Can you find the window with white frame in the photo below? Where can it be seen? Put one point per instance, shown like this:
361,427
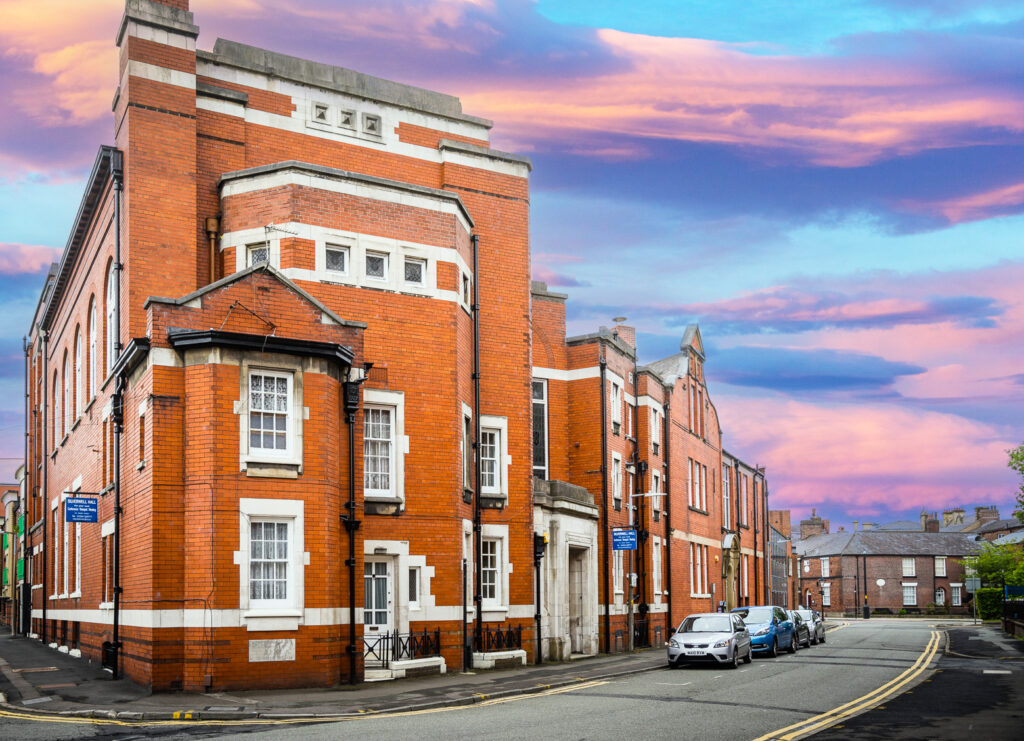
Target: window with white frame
415,271
490,570
629,484
616,407
111,310
825,572
743,500
270,414
690,484
79,388
655,430
826,595
909,567
467,452
940,566
540,428
694,570
271,560
745,566
336,259
940,596
955,594
56,550
92,347
616,481
655,487
376,266
656,568
726,522
257,253
704,488
617,571
467,299
491,456
67,395
56,411
414,587
909,595
378,450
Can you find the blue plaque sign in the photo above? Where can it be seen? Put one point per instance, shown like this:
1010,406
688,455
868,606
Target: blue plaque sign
623,539
81,509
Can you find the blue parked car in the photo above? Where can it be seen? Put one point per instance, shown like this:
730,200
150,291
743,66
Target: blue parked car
770,629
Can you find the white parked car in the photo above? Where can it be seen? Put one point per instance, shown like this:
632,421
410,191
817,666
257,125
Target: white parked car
718,637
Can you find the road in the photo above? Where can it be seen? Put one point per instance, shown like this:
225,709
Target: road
862,665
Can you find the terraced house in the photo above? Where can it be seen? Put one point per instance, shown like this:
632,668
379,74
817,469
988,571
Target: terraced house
298,417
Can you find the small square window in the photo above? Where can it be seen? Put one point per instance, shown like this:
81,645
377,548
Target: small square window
371,124
347,119
376,265
337,259
257,253
320,112
415,271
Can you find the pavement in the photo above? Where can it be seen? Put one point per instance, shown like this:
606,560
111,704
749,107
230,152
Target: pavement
41,680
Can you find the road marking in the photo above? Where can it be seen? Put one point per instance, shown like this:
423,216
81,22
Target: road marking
674,684
873,698
996,671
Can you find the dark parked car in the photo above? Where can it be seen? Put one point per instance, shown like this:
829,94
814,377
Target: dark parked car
803,630
770,628
715,637
816,623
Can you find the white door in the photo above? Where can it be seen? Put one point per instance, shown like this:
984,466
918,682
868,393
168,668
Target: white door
378,610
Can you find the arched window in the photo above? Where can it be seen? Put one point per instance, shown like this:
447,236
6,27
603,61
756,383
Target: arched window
79,390
92,347
67,394
111,303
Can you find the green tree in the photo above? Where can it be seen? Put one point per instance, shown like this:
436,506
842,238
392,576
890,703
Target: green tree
1016,462
998,565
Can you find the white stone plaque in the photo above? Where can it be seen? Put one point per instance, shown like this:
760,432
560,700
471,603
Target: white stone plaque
274,649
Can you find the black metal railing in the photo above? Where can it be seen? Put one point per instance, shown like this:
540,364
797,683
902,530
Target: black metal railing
641,634
501,638
381,649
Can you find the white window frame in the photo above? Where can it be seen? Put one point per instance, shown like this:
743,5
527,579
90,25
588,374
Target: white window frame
616,403
288,453
656,568
655,486
344,249
940,566
386,257
617,574
655,430
55,509
912,594
743,500
745,565
490,570
690,484
92,347
940,596
956,595
726,510
252,247
909,566
703,487
617,479
414,578
826,595
395,401
272,614
111,309
68,419
282,365
825,568
79,389
498,426
423,274
499,604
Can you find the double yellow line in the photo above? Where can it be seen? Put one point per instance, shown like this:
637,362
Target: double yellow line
875,697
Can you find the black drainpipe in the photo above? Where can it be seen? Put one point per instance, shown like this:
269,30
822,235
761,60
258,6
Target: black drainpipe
351,403
46,457
117,173
603,364
478,600
665,482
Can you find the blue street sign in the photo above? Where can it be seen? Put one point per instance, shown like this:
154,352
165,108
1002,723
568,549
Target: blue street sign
81,509
623,539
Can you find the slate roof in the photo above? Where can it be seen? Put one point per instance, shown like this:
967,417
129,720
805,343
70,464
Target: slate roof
1010,523
883,543
901,525
1016,537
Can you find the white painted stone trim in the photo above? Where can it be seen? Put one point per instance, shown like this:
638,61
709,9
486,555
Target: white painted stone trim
165,75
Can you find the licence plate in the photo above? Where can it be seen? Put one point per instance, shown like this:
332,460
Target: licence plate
695,652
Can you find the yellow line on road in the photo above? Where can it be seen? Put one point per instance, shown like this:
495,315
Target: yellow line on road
875,697
77,720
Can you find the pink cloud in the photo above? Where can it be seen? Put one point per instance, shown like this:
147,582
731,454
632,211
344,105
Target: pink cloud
26,258
867,457
974,207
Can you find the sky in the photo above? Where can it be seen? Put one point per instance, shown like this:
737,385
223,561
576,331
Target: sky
833,190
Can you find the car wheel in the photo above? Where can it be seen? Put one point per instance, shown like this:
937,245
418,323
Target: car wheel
750,655
735,663
814,641
822,637
794,644
774,650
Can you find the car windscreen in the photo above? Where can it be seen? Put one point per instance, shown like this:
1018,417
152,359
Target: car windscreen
758,615
806,614
706,624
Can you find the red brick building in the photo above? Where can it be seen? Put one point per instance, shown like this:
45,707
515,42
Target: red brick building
617,444
292,298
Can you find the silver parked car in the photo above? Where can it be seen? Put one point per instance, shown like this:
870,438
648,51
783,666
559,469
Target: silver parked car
816,623
718,637
801,628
